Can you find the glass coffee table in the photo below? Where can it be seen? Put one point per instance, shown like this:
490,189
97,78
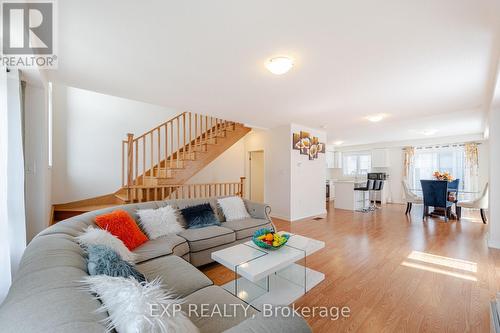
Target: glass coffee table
276,277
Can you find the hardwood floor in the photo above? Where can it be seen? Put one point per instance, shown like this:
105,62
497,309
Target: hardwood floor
371,267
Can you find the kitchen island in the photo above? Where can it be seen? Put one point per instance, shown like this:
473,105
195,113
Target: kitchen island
347,198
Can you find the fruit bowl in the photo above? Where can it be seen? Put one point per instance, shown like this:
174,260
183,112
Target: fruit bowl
267,239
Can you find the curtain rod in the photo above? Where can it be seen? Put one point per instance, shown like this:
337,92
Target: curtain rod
444,145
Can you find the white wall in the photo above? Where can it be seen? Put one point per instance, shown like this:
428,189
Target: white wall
294,185
228,167
276,145
494,200
88,130
307,190
37,171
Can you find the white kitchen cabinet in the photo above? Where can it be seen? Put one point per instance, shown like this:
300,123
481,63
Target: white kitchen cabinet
380,158
329,156
333,159
337,160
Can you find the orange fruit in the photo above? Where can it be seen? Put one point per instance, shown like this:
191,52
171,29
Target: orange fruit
269,237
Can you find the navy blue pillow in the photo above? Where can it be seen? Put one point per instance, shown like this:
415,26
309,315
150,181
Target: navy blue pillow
199,216
102,260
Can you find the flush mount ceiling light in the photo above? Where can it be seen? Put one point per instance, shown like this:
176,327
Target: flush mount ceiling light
428,132
279,65
375,118
338,143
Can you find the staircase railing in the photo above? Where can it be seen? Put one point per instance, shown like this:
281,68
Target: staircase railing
166,146
140,193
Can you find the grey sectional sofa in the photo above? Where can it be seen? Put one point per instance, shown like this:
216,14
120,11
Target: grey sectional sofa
46,294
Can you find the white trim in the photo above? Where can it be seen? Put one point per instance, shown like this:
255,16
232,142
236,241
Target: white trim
281,217
495,244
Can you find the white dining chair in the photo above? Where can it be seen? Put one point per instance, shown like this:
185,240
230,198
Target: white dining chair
480,203
410,197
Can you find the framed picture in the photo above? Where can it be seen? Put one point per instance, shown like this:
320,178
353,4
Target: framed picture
295,141
307,145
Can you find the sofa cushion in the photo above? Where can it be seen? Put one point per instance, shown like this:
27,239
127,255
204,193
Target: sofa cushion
204,257
45,295
160,221
183,203
123,226
102,260
129,304
177,275
233,208
216,296
162,246
208,237
199,216
97,236
246,228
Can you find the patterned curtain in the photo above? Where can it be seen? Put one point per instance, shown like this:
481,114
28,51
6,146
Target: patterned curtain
471,173
408,161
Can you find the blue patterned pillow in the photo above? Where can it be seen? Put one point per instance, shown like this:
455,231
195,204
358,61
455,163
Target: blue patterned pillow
102,260
199,216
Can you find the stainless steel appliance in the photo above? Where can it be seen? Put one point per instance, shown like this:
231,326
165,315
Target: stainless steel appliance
378,175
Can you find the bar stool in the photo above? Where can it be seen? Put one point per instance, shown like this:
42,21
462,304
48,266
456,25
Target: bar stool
365,189
377,187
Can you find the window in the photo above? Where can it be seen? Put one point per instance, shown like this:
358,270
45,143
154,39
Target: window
356,164
445,159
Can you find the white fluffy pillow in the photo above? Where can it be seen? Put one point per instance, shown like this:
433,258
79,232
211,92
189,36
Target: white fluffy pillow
159,222
135,307
94,236
233,208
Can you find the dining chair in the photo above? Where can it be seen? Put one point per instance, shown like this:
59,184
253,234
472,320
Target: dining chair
480,203
436,195
410,197
453,185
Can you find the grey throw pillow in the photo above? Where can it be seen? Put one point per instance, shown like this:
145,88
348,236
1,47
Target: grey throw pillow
102,260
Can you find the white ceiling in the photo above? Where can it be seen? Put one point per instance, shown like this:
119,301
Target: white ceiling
425,63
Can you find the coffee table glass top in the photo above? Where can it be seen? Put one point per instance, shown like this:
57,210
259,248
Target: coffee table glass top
255,263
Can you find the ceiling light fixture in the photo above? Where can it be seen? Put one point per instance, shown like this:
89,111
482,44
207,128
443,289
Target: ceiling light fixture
375,118
338,143
429,132
279,65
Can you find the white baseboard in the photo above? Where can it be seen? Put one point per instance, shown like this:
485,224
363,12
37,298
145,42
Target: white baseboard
322,214
281,217
493,243
288,219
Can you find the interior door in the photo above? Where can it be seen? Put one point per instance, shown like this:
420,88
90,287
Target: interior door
257,176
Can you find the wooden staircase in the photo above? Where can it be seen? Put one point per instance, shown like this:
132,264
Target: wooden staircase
157,164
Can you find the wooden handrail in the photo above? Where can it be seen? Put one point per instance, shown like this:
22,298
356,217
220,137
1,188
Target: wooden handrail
155,153
159,126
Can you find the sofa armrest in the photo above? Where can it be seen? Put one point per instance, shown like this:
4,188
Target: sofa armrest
258,210
271,324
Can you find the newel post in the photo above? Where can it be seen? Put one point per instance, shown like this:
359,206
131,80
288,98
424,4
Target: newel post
242,186
130,159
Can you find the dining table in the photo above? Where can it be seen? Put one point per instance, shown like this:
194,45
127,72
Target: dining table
455,199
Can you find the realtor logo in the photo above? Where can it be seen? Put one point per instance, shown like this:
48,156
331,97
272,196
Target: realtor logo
28,34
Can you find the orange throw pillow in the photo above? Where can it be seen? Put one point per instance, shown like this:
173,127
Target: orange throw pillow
123,226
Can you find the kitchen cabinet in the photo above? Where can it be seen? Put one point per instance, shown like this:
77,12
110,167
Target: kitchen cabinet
380,158
329,157
333,159
337,160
